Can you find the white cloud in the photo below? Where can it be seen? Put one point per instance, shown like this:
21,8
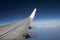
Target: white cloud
49,23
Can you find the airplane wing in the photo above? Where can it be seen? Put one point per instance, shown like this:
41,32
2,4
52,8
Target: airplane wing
16,30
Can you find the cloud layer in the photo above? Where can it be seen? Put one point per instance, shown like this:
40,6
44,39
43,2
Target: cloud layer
49,23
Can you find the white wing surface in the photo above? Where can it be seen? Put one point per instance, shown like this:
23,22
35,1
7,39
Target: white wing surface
16,30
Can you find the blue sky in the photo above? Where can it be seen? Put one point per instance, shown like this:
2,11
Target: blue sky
16,10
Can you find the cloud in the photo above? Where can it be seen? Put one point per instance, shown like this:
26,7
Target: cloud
47,23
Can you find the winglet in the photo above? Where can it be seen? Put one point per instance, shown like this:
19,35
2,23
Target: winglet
33,14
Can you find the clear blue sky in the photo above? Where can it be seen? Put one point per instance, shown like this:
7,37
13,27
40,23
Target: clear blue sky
14,10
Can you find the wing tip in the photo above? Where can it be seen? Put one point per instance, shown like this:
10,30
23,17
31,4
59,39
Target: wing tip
33,13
